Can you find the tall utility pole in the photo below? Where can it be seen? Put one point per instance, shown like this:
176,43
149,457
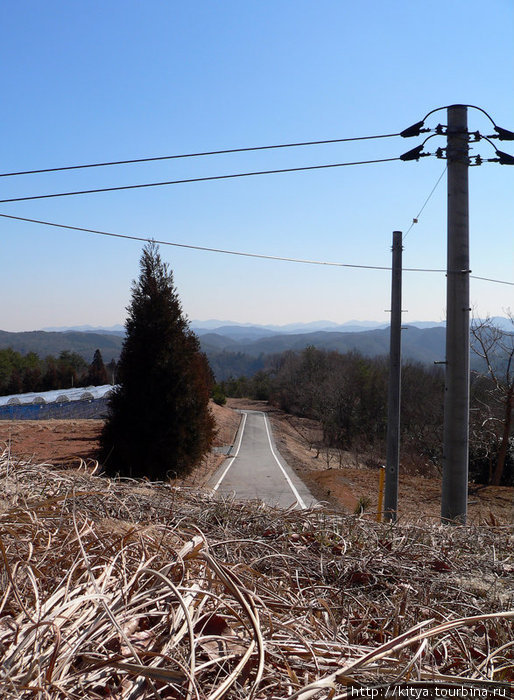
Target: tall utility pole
395,369
456,399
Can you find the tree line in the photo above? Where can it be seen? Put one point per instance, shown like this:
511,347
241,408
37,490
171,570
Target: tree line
347,395
21,374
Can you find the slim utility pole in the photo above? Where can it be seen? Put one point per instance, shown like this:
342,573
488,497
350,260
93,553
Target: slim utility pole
395,369
456,400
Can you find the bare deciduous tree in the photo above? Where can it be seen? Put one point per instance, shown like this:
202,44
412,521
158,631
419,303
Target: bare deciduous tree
496,347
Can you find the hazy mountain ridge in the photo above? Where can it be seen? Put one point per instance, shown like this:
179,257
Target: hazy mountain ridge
424,345
253,331
237,330
236,349
116,329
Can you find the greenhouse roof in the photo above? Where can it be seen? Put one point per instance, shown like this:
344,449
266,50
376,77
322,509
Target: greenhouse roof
58,395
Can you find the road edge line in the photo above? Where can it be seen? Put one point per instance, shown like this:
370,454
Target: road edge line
299,499
241,431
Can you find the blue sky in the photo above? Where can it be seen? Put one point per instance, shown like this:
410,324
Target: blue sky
93,81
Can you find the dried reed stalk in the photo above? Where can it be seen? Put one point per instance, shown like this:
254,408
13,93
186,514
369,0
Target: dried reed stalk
131,590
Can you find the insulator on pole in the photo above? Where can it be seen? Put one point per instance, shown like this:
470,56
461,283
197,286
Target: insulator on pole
414,154
504,158
504,134
414,130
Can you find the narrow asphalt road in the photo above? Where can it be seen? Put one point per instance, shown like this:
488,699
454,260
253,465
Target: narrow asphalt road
255,469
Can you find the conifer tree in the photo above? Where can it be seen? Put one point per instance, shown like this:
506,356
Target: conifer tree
159,423
97,373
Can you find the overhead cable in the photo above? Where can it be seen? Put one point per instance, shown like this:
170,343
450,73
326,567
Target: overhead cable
194,179
195,155
417,128
416,218
439,109
488,279
145,239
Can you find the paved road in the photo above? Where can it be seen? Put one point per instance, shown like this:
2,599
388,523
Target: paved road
255,468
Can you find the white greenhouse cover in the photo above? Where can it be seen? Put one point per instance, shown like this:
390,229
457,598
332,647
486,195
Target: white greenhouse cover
73,394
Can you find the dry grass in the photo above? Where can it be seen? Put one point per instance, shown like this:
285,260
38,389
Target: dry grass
124,589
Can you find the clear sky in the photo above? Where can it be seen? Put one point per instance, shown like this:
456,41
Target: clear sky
96,81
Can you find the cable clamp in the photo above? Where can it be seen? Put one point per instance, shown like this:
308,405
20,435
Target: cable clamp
414,154
504,134
505,158
414,130
439,154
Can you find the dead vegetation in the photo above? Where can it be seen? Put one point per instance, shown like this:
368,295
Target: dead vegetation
125,589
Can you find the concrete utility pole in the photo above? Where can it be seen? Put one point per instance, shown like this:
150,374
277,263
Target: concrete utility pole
456,401
395,369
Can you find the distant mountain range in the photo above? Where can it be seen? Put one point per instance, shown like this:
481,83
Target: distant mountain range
249,330
235,349
238,330
252,330
118,329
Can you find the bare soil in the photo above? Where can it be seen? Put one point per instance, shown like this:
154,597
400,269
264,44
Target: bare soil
343,481
58,442
65,443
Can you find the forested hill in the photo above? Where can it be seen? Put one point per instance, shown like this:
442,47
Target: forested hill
45,343
424,345
231,357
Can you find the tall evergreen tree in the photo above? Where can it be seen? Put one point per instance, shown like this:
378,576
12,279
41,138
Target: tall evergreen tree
159,422
97,372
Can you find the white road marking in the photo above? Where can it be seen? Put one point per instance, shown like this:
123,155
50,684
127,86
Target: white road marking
235,455
293,488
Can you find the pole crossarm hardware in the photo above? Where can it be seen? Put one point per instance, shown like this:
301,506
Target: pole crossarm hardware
473,137
457,376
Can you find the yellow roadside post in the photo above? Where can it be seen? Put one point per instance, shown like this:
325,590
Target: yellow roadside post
381,479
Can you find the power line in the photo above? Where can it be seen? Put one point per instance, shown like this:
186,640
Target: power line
487,279
193,179
415,220
227,252
196,247
195,155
